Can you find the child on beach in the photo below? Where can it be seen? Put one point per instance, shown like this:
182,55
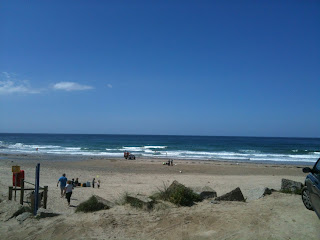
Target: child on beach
98,184
68,191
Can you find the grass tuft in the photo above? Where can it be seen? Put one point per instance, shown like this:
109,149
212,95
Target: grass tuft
289,191
91,205
179,195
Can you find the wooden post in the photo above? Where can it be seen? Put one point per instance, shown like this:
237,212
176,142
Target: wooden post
22,191
10,193
36,190
15,187
45,197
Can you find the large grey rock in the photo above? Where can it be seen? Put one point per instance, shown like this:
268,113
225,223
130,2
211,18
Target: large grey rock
140,201
291,186
234,195
44,213
23,216
257,193
105,202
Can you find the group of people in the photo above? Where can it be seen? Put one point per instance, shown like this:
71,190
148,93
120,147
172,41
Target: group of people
94,181
169,163
66,186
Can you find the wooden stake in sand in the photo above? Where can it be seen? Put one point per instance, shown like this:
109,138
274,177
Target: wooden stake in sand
36,191
15,171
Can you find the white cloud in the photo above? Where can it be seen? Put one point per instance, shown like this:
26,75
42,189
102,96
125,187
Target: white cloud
109,85
10,86
7,75
71,86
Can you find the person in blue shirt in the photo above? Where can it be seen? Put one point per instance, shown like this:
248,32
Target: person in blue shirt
63,182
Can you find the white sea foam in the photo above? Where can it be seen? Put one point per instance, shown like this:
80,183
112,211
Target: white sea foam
33,147
132,149
159,147
17,145
72,148
239,156
148,151
249,151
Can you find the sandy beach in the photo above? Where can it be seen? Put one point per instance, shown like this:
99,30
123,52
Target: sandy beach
276,216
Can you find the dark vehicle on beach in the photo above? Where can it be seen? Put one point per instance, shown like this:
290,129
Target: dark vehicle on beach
131,157
311,190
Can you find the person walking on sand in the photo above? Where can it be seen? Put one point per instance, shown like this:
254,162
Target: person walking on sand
68,191
98,183
63,181
93,181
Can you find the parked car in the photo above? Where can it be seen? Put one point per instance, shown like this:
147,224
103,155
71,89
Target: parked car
311,190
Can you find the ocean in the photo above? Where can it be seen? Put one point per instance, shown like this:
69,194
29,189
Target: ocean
240,149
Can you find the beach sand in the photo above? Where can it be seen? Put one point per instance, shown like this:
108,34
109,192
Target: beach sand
276,216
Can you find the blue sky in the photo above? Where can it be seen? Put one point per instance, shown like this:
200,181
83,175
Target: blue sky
224,68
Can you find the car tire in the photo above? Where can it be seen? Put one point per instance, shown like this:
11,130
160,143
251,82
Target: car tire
306,198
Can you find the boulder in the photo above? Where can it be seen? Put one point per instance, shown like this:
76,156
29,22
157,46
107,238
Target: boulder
205,192
257,193
105,202
44,213
234,195
290,186
23,216
140,201
174,185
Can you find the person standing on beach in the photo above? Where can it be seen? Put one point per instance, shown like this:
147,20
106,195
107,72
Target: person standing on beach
68,191
63,181
98,183
93,181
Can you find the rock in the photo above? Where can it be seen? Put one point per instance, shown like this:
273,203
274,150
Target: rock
23,216
234,195
257,193
208,192
205,192
174,185
291,186
105,202
44,213
254,193
140,201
